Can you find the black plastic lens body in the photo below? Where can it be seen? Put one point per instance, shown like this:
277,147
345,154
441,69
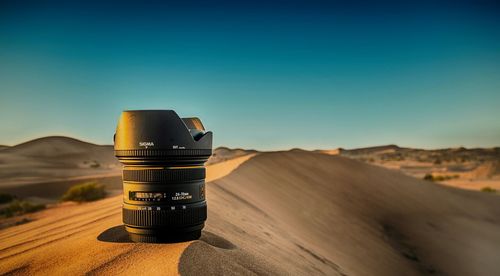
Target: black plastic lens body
163,174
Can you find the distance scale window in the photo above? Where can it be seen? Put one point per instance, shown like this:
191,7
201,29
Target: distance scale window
148,196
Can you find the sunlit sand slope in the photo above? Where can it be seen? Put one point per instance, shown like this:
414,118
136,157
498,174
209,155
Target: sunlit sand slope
64,240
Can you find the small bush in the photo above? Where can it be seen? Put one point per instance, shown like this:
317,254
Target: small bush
19,207
4,198
488,190
429,177
85,192
440,178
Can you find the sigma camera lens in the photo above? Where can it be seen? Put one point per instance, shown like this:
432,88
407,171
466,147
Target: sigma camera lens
163,159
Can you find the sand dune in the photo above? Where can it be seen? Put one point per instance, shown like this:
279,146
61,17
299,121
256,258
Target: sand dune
55,146
472,169
54,158
298,213
41,170
221,154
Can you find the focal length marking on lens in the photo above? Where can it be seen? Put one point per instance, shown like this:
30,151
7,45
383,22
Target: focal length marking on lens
148,196
159,208
182,196
165,217
159,196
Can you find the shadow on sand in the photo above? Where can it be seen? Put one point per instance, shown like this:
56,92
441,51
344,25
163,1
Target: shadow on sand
116,234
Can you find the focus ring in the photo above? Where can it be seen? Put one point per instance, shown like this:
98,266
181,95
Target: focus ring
163,153
164,175
165,218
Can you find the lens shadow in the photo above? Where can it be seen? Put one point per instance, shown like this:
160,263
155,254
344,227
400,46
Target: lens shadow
116,234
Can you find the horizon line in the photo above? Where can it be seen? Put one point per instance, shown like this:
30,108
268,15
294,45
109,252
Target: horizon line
249,149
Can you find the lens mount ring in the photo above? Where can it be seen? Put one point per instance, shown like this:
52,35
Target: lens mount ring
161,235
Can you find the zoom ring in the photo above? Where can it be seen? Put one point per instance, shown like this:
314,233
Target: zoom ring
154,218
163,153
164,175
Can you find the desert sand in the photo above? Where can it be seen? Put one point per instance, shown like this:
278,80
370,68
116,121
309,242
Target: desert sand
283,213
471,169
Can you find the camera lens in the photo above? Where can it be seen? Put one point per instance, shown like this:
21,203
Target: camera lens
163,159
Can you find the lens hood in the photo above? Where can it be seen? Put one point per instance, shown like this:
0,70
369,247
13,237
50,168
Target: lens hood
152,134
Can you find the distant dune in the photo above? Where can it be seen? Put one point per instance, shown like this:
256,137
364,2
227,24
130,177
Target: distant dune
285,213
222,154
55,146
473,169
372,150
55,158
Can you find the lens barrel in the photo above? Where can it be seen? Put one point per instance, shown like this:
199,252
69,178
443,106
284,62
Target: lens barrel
163,159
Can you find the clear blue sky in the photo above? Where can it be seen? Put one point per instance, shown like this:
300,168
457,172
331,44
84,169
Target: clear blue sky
275,75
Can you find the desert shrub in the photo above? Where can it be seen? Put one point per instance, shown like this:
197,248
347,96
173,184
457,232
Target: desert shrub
4,198
85,192
429,177
19,207
439,178
23,221
488,190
